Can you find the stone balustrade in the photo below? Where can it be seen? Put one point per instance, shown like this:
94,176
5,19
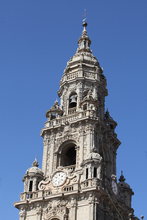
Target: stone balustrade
90,183
47,193
31,195
62,120
65,189
78,74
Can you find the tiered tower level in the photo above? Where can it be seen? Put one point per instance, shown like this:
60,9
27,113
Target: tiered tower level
78,177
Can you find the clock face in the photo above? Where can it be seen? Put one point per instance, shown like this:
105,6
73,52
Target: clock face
59,178
114,187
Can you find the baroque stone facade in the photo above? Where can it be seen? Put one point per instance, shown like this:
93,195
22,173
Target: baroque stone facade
78,177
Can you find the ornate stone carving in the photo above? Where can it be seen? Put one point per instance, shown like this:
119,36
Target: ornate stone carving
56,209
48,186
43,185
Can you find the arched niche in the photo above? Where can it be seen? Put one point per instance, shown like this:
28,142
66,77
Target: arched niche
68,154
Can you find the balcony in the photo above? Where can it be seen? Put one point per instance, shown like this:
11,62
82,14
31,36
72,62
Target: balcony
31,195
79,74
91,183
73,117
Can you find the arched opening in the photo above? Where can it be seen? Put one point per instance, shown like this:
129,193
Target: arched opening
68,155
73,100
30,186
86,173
95,172
55,219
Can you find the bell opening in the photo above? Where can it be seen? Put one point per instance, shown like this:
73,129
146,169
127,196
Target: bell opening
73,100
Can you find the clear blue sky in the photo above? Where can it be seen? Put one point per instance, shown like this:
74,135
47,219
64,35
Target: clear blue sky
37,38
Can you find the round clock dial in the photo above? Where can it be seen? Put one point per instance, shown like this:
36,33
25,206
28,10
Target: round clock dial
114,187
59,178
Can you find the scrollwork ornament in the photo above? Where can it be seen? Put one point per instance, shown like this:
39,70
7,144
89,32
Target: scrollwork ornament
43,185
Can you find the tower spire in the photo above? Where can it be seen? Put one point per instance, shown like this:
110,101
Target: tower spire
84,41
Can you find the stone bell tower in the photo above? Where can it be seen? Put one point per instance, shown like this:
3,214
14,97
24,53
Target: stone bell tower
78,177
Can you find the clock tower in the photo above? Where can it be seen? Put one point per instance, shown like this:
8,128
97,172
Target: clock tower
78,176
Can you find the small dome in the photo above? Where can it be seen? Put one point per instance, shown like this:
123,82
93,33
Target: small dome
34,170
83,57
122,182
124,185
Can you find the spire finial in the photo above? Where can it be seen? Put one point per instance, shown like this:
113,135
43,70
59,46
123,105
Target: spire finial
122,178
35,163
84,22
84,41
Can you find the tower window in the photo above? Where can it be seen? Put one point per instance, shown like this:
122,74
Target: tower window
68,155
86,173
73,100
95,172
30,186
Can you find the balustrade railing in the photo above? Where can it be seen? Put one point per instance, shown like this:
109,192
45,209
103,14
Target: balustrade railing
31,195
90,183
76,74
66,189
61,120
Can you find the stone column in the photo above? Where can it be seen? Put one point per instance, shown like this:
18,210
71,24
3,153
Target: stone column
26,185
88,140
58,159
81,150
55,161
73,210
78,98
45,151
51,157
34,184
77,156
91,207
91,139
